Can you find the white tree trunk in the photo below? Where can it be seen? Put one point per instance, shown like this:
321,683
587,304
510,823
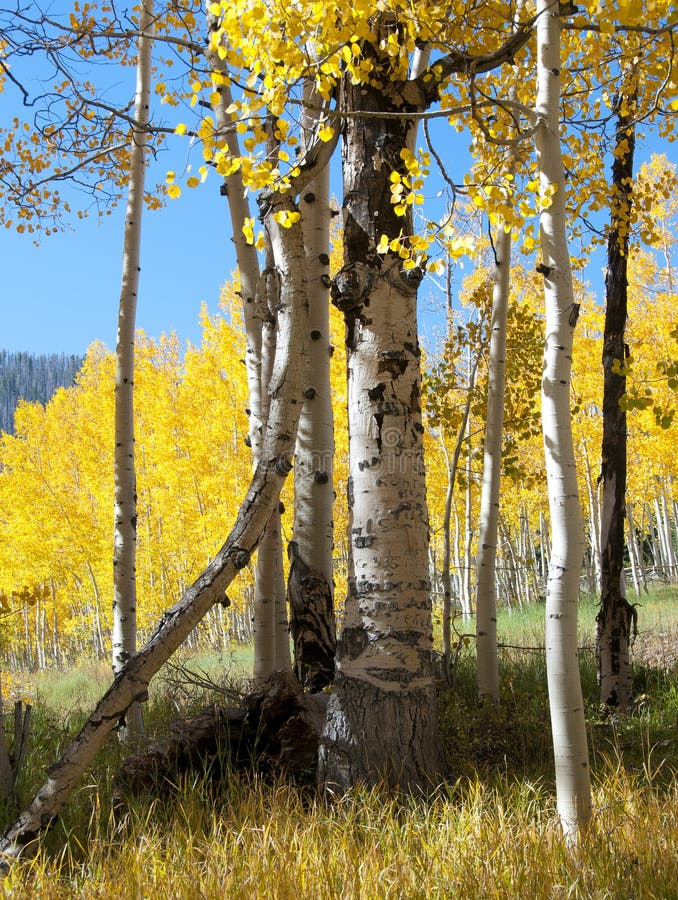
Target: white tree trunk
125,527
467,579
268,569
486,577
463,434
447,563
381,720
311,582
271,641
664,521
634,554
565,695
486,597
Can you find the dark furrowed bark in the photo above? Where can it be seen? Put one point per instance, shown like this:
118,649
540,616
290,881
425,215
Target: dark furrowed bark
615,621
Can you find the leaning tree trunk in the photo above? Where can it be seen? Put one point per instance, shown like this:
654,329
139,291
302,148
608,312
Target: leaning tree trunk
125,527
381,720
132,681
310,588
573,785
614,622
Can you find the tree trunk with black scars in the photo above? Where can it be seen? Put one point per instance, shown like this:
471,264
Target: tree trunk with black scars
615,621
310,589
381,721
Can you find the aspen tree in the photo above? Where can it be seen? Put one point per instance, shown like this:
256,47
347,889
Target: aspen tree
125,530
615,620
260,325
310,587
573,787
488,525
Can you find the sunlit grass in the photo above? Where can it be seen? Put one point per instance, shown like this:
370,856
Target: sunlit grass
492,832
273,841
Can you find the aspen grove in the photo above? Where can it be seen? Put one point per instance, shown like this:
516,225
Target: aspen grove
434,479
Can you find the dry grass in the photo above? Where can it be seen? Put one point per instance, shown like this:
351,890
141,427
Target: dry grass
272,841
491,834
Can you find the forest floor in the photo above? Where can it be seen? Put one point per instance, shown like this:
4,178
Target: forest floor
492,832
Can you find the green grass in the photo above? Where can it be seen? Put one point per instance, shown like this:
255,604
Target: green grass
492,833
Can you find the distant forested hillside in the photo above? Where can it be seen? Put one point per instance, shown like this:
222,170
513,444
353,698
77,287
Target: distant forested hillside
31,377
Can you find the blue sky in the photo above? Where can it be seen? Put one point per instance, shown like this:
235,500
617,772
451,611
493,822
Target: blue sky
64,294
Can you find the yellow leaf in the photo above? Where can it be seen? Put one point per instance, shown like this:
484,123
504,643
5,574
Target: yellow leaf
174,191
382,246
248,230
180,129
326,133
286,218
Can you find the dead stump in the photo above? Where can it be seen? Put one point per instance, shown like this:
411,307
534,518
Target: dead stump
276,730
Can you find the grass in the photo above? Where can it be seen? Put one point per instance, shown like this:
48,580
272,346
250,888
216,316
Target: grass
492,833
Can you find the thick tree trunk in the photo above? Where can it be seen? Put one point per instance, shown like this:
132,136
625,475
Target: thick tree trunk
573,785
381,722
125,529
614,622
131,683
